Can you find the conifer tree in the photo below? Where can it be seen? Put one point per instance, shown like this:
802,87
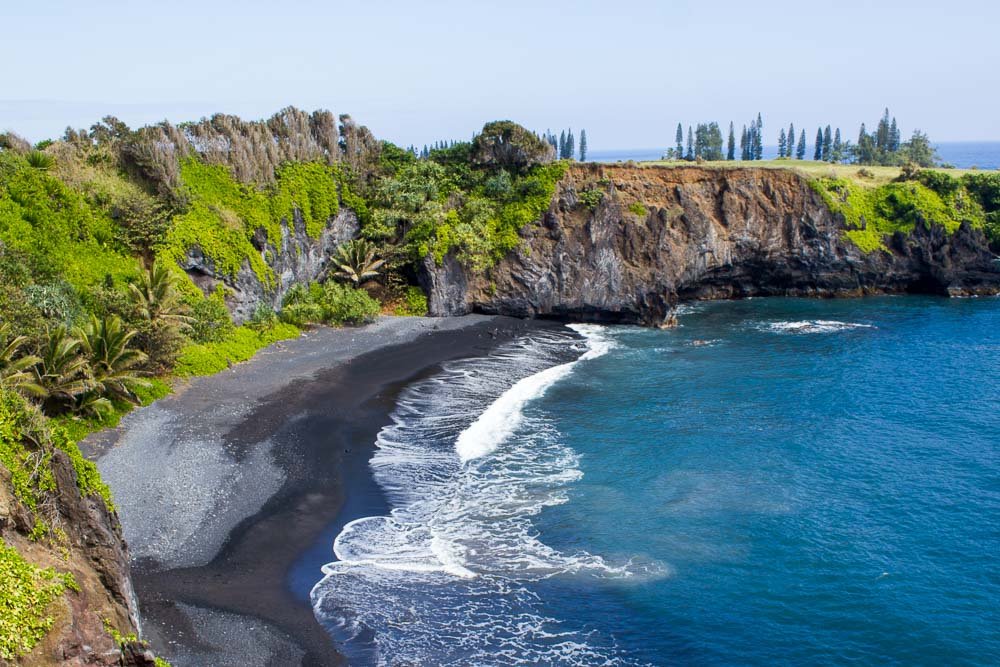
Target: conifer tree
800,152
758,137
679,138
818,153
583,145
827,143
894,138
782,143
731,144
570,144
791,141
690,151
744,145
562,144
838,148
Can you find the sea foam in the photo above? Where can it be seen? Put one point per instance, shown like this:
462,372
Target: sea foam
466,464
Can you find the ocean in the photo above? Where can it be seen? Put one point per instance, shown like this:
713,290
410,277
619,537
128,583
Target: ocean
775,481
960,154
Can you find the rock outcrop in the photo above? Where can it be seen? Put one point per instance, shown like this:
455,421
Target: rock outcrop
297,258
662,235
86,543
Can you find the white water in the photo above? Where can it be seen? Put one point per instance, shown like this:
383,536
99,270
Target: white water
465,466
813,326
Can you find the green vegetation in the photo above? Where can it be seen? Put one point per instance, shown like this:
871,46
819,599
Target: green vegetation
355,261
329,303
224,215
26,592
873,213
414,303
239,344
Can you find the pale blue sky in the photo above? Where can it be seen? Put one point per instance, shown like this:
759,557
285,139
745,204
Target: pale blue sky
626,70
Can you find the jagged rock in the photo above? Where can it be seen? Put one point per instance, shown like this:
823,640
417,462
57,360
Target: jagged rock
296,259
707,234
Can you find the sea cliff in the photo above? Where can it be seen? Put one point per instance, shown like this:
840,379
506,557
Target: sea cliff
627,243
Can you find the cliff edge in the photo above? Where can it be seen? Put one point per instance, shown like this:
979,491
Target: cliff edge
626,243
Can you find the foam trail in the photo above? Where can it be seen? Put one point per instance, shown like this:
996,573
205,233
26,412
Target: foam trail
505,415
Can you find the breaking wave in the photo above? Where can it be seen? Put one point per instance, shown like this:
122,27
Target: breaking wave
812,326
446,577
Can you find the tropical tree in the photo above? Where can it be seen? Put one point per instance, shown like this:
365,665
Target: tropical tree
62,372
39,160
16,368
113,363
355,261
157,298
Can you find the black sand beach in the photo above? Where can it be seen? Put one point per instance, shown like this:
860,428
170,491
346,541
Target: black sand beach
231,490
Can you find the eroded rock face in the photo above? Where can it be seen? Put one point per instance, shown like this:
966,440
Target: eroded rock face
661,235
297,258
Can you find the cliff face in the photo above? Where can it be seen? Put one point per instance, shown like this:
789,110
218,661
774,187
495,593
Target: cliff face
661,235
88,545
297,258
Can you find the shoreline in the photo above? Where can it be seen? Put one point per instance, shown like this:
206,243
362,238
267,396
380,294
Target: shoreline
232,489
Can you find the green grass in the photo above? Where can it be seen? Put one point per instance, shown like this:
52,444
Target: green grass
238,345
811,169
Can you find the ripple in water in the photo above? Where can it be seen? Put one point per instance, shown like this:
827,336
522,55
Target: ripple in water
446,577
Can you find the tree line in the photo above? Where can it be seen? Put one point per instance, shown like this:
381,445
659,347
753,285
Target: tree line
884,146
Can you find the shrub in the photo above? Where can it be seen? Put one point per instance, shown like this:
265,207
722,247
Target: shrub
414,303
638,209
507,145
591,198
210,320
347,305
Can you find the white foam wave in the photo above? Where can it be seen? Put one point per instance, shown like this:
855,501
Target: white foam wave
446,576
504,415
812,326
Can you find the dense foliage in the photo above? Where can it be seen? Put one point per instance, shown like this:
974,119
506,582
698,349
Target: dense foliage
928,199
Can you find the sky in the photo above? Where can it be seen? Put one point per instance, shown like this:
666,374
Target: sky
414,72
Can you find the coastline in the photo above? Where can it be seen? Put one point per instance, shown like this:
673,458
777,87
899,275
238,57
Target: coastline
231,490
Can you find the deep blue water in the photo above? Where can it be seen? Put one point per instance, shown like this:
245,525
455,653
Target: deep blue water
960,154
776,481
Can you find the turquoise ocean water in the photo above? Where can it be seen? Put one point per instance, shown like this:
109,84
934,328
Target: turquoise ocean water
777,481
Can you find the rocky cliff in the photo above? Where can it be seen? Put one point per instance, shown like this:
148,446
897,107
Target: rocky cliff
86,544
625,243
295,259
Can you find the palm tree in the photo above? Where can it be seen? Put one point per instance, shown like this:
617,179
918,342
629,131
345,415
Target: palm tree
15,371
355,261
157,297
39,160
105,343
62,372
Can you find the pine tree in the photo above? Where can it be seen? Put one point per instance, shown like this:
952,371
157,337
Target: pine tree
818,154
827,143
744,145
882,133
570,144
800,152
731,145
758,137
562,145
782,143
791,141
679,138
838,147
690,151
583,145
894,138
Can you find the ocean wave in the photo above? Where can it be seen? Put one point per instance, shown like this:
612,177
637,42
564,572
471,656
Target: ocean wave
811,326
446,576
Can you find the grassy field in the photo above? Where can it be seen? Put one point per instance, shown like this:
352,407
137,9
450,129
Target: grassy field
879,175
